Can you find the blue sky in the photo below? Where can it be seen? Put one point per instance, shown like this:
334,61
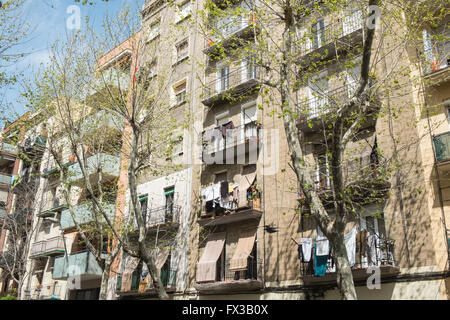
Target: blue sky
47,19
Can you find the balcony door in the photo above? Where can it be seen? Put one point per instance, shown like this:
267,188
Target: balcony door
353,75
317,94
248,69
249,121
222,77
322,178
318,34
169,205
219,142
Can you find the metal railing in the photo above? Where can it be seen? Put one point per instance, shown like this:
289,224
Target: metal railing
44,292
437,56
6,147
324,102
380,254
231,80
253,271
162,215
168,279
233,137
318,36
442,146
47,246
5,179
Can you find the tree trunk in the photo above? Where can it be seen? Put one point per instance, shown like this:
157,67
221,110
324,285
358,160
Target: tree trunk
343,271
104,282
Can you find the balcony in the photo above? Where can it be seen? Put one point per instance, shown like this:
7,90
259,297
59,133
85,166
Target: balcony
222,145
227,29
45,292
108,164
243,80
436,59
54,171
324,40
102,120
230,211
8,148
141,288
236,281
84,214
34,146
382,257
55,208
83,265
320,107
163,218
5,180
49,247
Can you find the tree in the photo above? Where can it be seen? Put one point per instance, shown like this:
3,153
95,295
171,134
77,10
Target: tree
281,42
13,29
18,223
75,84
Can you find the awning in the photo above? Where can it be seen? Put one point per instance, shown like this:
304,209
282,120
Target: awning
161,257
169,191
160,260
144,197
243,250
245,183
206,267
127,276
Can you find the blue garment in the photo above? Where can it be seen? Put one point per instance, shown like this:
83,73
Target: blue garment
320,263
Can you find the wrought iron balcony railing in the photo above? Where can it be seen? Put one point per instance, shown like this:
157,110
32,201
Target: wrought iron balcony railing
320,34
237,81
9,148
169,214
381,253
324,102
219,139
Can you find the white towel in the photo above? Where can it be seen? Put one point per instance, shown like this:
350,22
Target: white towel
350,246
306,249
208,193
216,190
323,246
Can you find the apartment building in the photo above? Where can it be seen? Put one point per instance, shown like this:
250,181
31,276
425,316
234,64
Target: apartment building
165,193
225,223
244,242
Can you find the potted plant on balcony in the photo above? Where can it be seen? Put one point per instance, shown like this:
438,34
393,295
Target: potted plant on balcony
253,197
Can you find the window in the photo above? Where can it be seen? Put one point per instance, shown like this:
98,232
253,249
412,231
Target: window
143,200
220,177
152,68
223,75
322,179
248,69
154,31
318,34
180,93
183,11
249,121
182,50
317,94
178,145
169,196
